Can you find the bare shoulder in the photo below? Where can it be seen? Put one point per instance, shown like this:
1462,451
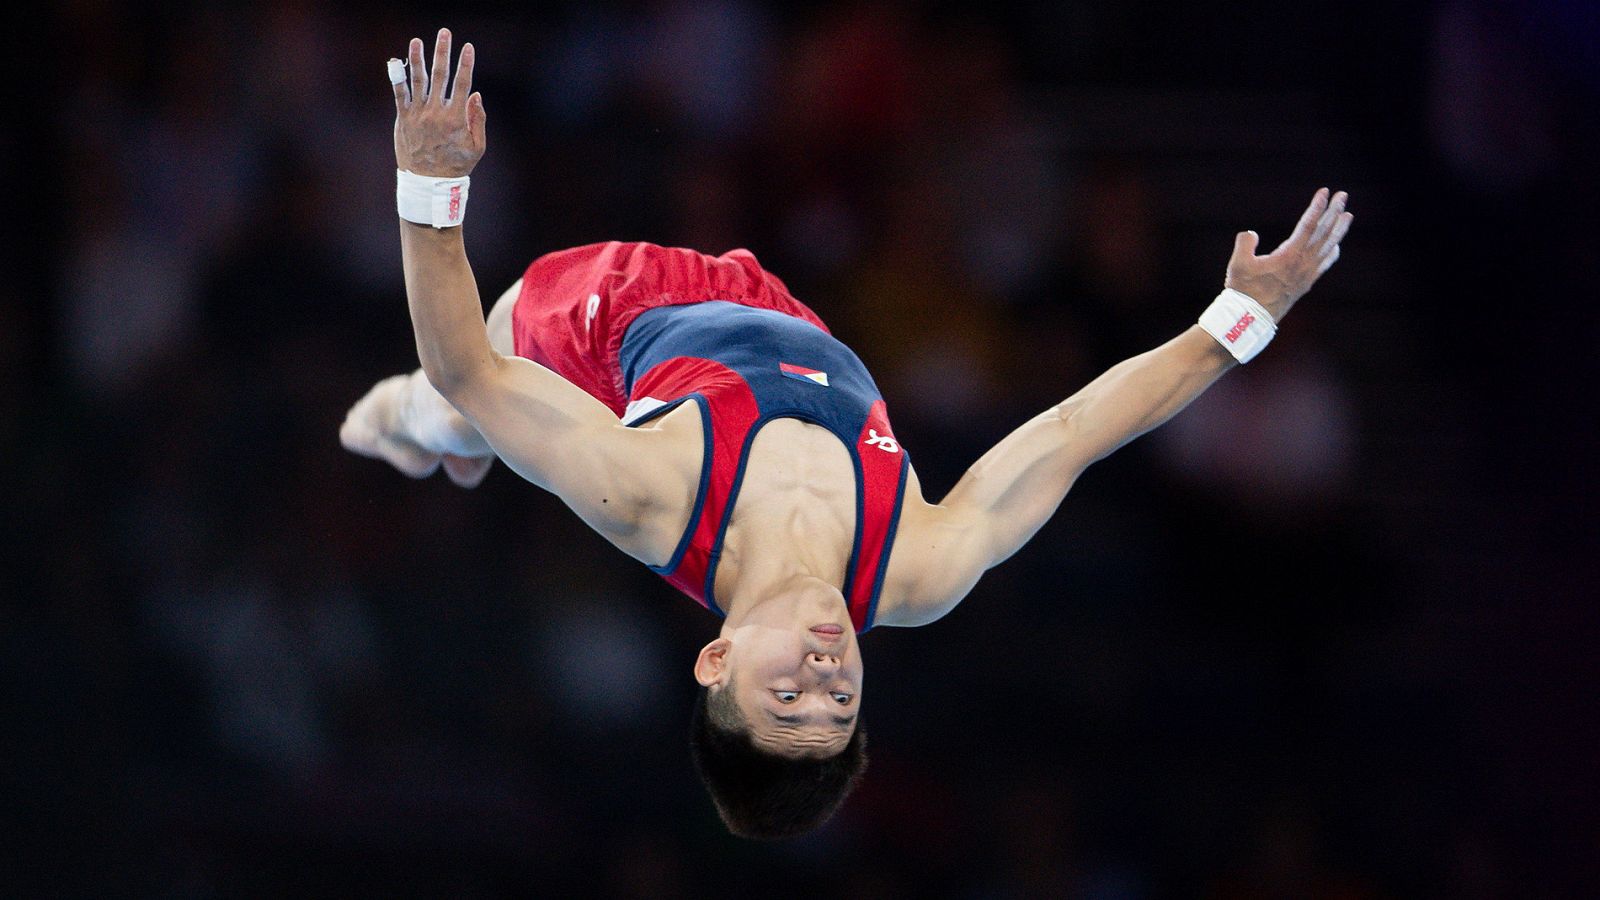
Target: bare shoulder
938,556
652,475
632,485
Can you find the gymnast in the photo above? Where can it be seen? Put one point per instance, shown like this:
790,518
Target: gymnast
706,423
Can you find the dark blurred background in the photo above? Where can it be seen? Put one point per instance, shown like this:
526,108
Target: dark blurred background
236,661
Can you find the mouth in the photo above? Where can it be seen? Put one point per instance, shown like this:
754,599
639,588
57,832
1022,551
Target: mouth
828,632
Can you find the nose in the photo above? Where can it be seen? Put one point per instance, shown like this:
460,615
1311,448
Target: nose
823,661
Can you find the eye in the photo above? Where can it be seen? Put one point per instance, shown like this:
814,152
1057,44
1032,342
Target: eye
841,697
786,696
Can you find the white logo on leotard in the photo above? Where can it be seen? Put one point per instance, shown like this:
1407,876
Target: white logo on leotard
594,310
882,441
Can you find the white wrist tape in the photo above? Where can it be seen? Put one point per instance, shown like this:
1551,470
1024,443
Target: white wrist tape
1239,323
440,202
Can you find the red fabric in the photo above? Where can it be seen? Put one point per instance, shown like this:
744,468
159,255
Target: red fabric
733,410
880,479
552,324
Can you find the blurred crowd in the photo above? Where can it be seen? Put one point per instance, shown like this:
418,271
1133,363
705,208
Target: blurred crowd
1325,635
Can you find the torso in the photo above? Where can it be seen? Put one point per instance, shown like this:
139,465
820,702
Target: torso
799,491
795,445
799,495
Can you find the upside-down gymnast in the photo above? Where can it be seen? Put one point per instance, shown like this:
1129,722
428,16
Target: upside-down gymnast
705,422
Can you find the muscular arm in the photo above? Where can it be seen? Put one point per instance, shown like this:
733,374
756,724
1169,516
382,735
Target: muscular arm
1014,488
446,312
1009,493
441,136
545,428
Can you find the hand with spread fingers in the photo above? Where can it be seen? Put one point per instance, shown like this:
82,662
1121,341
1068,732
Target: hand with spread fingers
435,134
1283,276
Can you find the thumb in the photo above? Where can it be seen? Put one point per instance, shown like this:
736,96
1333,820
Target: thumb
1244,244
475,114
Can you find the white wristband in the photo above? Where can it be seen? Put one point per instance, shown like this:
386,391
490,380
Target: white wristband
425,200
1240,324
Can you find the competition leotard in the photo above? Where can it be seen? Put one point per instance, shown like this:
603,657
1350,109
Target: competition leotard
646,328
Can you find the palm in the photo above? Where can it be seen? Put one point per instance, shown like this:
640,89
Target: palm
435,134
1283,276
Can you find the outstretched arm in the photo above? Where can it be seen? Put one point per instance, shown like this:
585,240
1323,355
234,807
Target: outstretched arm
545,428
442,137
1008,494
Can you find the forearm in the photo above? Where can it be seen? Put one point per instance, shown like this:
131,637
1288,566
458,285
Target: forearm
446,312
1140,393
1010,492
1006,496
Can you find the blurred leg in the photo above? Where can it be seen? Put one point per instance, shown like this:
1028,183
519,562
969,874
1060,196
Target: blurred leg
408,424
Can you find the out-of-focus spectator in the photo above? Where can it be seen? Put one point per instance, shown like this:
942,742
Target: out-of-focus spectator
234,660
1281,444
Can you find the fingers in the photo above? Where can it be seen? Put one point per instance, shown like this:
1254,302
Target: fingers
1328,261
1244,244
1340,227
425,85
419,75
1308,219
397,80
476,119
1328,217
463,85
441,66
1331,228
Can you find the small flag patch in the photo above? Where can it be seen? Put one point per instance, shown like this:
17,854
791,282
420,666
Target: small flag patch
804,374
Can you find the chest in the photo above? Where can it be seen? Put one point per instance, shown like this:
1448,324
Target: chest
797,500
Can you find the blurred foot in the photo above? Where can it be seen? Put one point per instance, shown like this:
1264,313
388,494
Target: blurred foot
369,430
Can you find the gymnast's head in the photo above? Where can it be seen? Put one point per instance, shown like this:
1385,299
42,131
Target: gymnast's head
776,735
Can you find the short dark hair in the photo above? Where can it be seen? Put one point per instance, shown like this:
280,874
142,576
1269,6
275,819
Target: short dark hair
764,795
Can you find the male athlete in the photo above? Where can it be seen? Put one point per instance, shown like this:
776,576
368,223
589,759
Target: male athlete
707,424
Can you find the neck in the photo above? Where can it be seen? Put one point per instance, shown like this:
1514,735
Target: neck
751,585
751,572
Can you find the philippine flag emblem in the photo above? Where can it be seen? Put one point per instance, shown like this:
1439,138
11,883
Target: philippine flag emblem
804,374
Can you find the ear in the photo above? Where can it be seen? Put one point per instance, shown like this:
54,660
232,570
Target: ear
711,666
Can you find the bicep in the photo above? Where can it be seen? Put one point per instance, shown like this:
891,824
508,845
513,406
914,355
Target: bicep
944,549
1012,490
939,554
554,434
